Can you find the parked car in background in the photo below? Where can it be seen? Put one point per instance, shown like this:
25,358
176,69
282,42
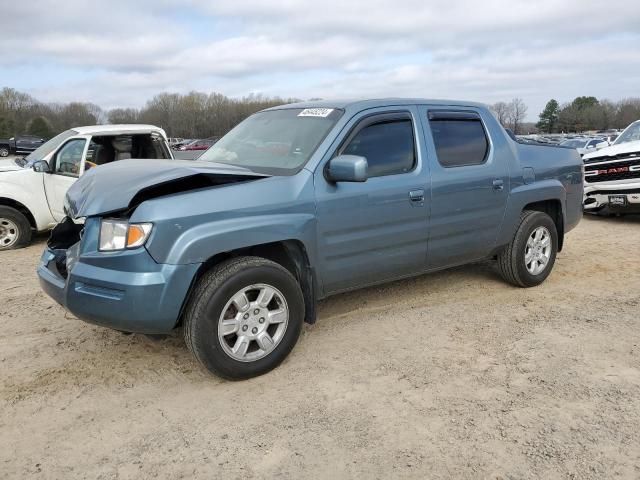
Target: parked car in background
176,146
612,175
585,145
32,189
172,141
197,145
18,145
299,202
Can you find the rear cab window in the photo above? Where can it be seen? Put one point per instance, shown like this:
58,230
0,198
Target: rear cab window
460,138
109,148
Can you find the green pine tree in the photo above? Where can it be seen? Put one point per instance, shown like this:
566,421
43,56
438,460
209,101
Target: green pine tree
549,117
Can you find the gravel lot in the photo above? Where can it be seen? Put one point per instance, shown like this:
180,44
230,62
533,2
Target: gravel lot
452,375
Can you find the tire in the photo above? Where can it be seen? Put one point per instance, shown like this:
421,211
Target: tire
15,229
211,307
512,261
4,152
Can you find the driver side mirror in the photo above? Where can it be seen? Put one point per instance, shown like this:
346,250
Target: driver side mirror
41,166
348,168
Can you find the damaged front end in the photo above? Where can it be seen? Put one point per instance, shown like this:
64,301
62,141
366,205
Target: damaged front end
115,282
64,245
125,290
122,186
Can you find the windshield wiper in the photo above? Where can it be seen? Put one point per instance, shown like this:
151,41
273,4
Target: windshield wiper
20,161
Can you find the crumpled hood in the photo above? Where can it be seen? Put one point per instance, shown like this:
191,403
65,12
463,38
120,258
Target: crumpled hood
115,186
8,165
613,150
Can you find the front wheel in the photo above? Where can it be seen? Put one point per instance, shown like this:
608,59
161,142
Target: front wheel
244,317
528,260
15,229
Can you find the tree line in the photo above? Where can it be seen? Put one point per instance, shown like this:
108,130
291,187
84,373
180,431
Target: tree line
202,115
192,115
582,114
196,114
588,113
21,113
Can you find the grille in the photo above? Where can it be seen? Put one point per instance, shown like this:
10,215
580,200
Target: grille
622,156
614,192
613,171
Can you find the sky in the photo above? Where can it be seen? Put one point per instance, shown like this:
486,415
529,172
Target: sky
119,53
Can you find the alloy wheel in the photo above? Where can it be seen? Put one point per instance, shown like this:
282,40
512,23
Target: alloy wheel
538,251
253,322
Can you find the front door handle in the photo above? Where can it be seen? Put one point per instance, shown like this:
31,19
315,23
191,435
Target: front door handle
416,196
498,184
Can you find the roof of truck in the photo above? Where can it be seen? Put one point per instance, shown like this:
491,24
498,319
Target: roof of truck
117,128
362,104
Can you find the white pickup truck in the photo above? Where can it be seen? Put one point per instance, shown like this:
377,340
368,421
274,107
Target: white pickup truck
32,189
612,176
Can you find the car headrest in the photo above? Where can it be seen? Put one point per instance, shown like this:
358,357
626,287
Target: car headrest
122,144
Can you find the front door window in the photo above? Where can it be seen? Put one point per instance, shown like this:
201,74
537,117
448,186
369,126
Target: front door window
69,158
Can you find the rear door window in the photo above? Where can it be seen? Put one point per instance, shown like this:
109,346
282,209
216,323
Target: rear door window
459,137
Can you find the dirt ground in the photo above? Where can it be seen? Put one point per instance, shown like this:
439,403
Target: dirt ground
452,375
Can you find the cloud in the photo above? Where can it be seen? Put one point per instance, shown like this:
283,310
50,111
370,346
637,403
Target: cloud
123,52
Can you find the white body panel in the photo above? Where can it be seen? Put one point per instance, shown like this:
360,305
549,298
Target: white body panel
43,193
597,193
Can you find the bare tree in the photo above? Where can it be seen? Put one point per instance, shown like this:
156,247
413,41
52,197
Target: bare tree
123,115
502,111
628,110
200,115
517,114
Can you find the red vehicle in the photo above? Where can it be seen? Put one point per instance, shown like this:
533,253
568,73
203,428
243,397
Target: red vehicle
198,145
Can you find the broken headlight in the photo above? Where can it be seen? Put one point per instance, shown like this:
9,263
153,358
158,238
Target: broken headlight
120,234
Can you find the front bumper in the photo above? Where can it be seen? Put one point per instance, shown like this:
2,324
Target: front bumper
126,291
598,196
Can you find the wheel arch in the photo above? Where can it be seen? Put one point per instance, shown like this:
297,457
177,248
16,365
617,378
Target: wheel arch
9,202
547,196
553,208
291,254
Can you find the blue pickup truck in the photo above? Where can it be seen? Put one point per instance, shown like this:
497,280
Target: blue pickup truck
300,202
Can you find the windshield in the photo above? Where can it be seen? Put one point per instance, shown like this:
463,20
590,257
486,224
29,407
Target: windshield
276,142
574,143
631,134
48,147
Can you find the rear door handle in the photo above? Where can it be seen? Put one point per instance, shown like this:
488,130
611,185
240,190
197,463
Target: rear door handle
498,184
416,196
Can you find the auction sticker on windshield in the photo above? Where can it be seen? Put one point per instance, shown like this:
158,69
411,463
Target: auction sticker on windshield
315,112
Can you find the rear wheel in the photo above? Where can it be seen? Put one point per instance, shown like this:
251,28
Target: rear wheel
15,230
528,260
244,317
4,152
